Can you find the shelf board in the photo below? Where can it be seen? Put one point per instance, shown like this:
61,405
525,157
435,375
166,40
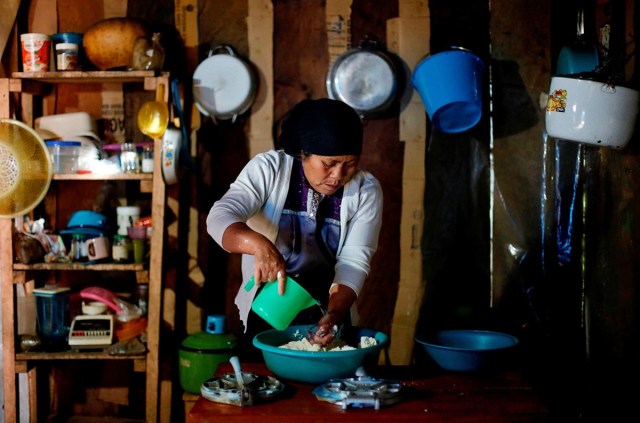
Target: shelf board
83,77
77,355
112,177
101,267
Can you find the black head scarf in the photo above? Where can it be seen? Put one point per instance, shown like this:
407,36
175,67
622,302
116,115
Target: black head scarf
325,127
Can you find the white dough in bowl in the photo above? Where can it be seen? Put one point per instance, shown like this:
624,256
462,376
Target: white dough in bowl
337,345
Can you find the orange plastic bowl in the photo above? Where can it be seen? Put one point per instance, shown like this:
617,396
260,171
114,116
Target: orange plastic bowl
130,330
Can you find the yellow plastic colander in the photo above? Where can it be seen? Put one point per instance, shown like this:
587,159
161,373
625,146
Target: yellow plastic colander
25,168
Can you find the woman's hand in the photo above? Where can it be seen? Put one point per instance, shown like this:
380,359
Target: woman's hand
268,262
341,298
324,332
269,266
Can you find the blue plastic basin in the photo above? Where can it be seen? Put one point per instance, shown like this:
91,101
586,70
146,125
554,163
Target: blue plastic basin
468,350
317,366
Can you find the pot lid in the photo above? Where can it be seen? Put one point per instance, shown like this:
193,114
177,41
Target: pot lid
209,341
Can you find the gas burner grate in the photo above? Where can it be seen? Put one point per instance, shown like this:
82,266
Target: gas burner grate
361,391
225,389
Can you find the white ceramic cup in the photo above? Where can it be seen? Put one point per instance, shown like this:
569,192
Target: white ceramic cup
98,248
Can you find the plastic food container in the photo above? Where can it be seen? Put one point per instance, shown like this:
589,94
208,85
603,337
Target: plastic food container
52,316
69,38
66,56
64,155
35,52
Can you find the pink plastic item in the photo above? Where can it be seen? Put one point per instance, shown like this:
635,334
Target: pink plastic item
103,295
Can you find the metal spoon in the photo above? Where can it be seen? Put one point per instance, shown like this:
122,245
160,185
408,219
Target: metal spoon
235,362
246,397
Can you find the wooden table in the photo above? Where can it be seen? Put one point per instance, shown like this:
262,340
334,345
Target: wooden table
447,397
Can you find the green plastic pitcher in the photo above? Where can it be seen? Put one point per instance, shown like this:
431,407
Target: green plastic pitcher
280,310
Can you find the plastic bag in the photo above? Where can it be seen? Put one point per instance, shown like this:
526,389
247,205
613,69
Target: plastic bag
125,311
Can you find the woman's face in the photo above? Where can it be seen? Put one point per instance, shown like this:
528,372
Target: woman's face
327,174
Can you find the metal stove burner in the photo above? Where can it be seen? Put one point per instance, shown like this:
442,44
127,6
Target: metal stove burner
361,391
225,389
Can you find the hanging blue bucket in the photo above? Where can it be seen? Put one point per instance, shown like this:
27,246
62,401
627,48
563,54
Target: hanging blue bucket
450,85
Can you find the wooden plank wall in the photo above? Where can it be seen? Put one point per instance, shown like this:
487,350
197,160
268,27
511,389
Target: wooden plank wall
525,37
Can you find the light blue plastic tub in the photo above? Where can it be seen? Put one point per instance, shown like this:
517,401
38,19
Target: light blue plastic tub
317,366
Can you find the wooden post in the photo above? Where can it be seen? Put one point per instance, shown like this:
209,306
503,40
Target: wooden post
408,36
260,34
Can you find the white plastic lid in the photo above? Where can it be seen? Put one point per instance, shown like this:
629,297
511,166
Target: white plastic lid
127,210
66,46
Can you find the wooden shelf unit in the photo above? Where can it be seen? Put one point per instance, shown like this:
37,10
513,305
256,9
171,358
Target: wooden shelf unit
11,273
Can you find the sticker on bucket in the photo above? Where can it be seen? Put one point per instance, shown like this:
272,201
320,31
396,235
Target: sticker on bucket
557,101
450,85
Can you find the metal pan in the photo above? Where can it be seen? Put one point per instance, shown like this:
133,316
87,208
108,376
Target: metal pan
224,84
366,78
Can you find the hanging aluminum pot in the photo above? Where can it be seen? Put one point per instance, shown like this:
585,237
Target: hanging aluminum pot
224,84
366,78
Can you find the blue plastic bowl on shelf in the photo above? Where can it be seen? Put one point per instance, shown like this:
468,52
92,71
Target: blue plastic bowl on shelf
317,366
87,222
468,350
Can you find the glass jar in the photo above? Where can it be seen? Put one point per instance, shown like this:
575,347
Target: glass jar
148,53
142,298
120,249
147,159
129,161
78,250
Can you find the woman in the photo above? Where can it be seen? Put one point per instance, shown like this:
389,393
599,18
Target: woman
306,211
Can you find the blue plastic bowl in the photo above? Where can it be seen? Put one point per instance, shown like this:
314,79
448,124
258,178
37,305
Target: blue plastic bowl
317,367
468,350
86,222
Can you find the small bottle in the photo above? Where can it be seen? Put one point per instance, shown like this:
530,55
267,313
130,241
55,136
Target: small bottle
142,297
147,159
129,158
120,249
